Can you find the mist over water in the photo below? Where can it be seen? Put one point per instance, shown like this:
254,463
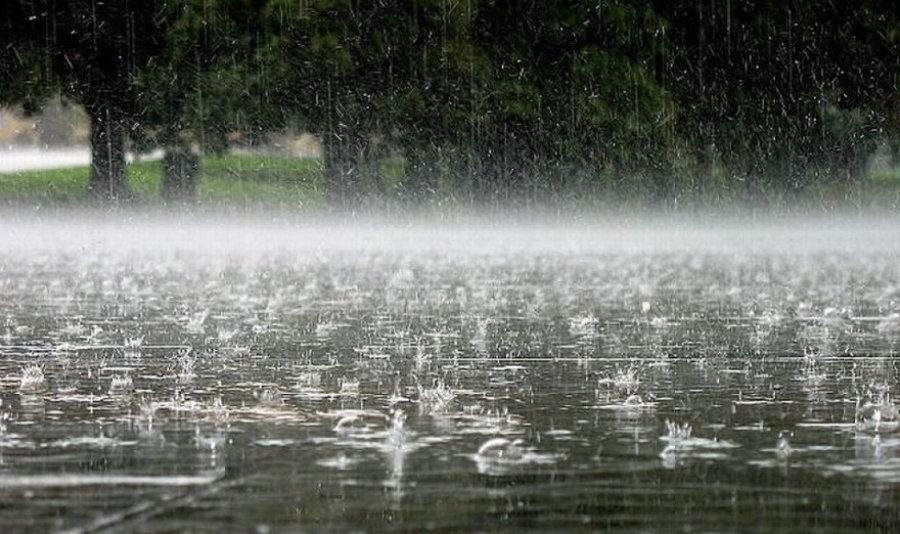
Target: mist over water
249,232
166,371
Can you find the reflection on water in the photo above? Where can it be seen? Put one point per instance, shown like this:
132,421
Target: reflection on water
384,387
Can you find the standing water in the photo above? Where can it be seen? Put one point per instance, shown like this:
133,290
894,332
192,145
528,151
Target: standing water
211,376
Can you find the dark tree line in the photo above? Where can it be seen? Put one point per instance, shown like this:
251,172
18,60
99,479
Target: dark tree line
793,91
486,99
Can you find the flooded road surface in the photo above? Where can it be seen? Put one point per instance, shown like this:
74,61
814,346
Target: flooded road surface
210,377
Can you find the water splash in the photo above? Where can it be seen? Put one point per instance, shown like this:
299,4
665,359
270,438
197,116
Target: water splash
436,398
121,385
33,379
681,444
783,448
878,413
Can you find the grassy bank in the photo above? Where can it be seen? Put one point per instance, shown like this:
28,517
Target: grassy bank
230,180
250,181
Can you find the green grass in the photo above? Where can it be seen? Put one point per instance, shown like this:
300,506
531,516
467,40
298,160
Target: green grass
54,186
230,180
881,189
889,178
272,181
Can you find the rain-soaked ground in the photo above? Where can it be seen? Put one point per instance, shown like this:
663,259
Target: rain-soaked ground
251,376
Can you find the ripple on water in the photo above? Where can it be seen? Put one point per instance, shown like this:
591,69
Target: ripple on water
500,456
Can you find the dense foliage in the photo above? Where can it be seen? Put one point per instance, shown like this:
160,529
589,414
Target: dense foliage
483,99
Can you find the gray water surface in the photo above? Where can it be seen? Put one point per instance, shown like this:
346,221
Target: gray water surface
253,376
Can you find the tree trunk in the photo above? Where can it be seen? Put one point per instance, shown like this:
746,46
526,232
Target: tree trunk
108,179
661,182
181,168
423,168
488,178
340,169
